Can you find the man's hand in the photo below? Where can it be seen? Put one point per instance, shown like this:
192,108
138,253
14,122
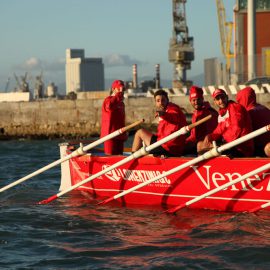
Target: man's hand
160,111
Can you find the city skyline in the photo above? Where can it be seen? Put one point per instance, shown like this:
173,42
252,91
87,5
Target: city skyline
35,35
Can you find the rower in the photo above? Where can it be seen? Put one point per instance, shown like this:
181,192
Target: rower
233,122
260,117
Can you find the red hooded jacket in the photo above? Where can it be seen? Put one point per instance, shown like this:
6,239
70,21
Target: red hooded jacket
234,122
198,133
259,114
172,120
113,116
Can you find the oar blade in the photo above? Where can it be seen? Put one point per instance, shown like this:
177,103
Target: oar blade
255,209
106,201
50,199
258,208
173,210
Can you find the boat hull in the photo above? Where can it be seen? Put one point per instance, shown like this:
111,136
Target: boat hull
176,188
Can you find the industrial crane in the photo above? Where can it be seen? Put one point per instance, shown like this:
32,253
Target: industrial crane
225,30
181,51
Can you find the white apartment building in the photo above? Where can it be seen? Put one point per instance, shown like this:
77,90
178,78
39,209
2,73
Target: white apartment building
83,74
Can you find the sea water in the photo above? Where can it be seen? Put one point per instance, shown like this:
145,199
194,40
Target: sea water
73,232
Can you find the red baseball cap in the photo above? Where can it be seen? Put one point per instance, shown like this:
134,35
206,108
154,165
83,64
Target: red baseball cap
218,92
118,84
195,92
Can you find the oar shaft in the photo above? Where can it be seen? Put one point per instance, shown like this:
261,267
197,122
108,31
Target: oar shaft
244,138
77,152
43,169
260,207
239,179
176,169
211,192
181,131
111,135
137,154
212,153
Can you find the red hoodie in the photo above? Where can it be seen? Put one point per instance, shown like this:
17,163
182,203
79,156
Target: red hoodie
233,123
259,114
172,120
198,133
113,116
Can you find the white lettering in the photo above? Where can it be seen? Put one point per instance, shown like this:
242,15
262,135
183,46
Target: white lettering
263,177
135,175
217,177
205,175
205,182
255,178
231,178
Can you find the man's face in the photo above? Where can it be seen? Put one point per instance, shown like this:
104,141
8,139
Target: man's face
197,103
221,101
161,101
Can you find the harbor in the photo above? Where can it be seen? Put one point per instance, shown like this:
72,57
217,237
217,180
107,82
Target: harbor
80,118
35,109
67,201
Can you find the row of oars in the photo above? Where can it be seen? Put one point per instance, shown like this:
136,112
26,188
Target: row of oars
141,152
144,151
212,153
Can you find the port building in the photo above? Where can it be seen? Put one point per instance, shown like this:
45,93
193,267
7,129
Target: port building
83,74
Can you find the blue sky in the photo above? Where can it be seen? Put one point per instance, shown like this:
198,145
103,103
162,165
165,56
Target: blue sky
36,33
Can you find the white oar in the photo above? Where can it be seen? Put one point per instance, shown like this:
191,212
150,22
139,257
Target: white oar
211,153
80,151
141,152
211,192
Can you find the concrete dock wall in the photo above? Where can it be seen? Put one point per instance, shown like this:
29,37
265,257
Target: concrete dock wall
77,118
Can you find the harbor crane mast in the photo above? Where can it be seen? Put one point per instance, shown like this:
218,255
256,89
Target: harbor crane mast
225,30
181,51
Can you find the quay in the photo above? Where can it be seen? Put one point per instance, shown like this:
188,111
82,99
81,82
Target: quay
80,118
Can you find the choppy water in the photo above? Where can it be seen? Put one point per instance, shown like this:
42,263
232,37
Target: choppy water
74,233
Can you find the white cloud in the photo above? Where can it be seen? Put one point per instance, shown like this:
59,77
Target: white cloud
115,60
32,62
35,64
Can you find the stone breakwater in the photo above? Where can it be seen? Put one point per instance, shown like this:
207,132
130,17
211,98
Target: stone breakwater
77,118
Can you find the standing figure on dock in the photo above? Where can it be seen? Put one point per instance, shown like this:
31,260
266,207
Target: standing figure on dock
113,118
170,119
201,109
233,123
260,117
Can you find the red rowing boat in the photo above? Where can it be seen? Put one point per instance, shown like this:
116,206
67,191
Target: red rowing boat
208,181
174,189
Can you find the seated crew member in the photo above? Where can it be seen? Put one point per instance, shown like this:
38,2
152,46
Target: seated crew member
113,118
201,109
260,117
233,122
171,119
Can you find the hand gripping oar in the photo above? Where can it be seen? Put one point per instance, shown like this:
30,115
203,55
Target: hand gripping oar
141,152
211,153
80,151
211,192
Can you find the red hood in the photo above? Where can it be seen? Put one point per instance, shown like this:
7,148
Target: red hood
247,98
